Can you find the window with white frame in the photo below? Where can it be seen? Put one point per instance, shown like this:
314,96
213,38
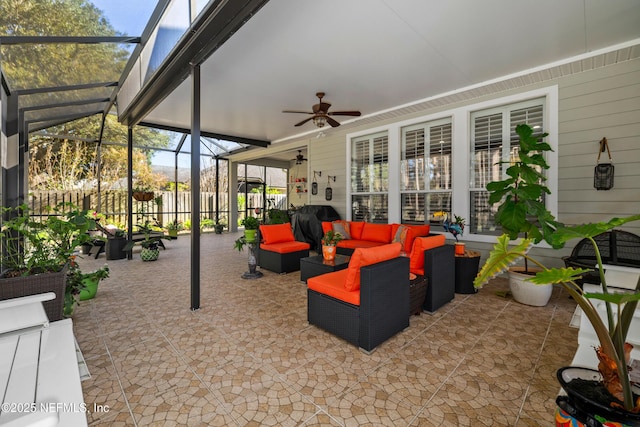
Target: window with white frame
370,178
425,172
494,140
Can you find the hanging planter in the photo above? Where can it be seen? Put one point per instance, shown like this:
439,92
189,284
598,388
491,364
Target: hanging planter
143,196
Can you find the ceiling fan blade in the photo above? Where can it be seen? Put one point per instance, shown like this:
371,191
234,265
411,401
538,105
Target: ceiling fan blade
345,113
304,121
332,122
294,111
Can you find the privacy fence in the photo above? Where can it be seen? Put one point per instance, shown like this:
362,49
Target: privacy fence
165,207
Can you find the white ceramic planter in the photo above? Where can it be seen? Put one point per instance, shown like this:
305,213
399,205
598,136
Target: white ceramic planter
526,292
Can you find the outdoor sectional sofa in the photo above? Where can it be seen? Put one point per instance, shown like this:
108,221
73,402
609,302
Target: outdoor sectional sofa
366,234
429,255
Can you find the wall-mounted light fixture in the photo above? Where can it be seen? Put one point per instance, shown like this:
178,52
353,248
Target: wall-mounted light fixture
314,184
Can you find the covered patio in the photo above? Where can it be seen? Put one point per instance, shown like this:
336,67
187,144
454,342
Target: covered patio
248,356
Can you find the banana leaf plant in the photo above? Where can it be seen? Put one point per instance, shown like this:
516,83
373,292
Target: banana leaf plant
612,331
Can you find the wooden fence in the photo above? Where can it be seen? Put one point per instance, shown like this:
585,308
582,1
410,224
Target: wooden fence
164,208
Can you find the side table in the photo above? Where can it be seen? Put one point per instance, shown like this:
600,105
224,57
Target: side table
466,270
417,293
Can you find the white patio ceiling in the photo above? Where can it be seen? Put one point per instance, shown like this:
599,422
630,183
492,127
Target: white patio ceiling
375,55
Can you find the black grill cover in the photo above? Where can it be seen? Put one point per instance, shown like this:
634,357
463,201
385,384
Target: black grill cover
307,220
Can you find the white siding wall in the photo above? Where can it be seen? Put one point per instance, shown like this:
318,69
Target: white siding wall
603,102
596,104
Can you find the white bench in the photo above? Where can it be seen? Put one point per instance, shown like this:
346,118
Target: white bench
39,377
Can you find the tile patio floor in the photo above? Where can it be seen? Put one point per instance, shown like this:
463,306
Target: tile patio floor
248,357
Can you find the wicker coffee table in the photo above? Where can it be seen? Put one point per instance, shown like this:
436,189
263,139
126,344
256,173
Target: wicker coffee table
316,265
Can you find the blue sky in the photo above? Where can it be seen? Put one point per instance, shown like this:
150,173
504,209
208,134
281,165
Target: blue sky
130,17
127,16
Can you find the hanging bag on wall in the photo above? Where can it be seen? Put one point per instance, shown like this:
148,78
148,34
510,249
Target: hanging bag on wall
603,173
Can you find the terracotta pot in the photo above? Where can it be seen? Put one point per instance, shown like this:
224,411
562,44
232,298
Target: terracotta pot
328,252
459,249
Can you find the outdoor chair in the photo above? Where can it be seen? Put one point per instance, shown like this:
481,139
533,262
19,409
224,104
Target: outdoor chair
279,251
616,247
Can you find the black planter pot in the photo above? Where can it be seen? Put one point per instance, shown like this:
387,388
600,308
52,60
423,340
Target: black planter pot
114,248
581,384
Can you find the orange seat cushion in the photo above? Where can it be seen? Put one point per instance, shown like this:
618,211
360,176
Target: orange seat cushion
366,256
332,284
376,232
352,244
285,247
421,244
276,233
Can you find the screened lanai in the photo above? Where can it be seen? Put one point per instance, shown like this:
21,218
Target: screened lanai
228,70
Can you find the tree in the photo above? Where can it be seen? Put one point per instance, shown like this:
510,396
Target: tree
58,163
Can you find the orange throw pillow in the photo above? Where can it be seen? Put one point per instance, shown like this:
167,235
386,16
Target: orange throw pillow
421,244
276,233
367,256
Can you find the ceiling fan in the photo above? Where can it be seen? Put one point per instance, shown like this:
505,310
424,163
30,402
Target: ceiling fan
299,158
320,113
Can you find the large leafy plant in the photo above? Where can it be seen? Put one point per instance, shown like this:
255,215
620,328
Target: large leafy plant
612,331
520,196
36,246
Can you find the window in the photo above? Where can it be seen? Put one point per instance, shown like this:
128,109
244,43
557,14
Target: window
425,171
370,178
494,139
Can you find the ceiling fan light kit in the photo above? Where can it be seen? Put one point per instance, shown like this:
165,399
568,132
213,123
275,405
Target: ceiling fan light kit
320,114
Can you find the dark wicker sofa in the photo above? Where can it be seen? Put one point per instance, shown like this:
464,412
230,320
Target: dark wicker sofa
383,309
616,247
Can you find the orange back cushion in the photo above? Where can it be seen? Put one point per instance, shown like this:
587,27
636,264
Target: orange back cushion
276,233
376,232
415,231
367,256
356,229
326,226
421,244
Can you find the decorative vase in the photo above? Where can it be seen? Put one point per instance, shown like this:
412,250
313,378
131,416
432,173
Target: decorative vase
90,288
459,248
147,254
328,252
578,410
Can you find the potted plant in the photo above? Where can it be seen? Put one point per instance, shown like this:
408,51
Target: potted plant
251,225
150,244
456,228
81,286
173,227
329,242
611,331
521,210
142,192
116,242
219,226
36,253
